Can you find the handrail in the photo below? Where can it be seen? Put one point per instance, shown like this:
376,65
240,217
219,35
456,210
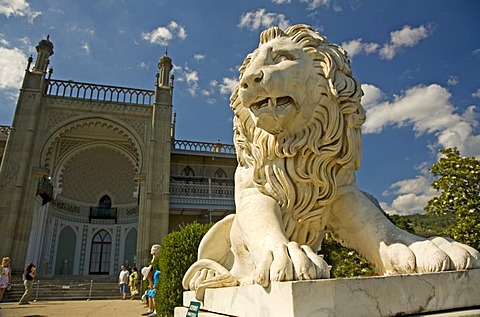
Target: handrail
79,90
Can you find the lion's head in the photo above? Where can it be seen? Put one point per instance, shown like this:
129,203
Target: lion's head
297,123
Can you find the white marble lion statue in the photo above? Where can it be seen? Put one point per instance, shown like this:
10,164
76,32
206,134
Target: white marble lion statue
298,141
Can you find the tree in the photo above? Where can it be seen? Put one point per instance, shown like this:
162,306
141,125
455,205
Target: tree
459,186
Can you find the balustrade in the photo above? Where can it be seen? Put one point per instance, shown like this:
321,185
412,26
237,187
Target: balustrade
79,90
202,190
103,213
216,147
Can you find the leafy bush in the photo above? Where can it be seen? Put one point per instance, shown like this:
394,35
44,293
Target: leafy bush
344,262
178,252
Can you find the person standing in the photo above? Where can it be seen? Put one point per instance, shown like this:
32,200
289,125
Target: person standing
28,277
123,281
153,278
133,277
5,277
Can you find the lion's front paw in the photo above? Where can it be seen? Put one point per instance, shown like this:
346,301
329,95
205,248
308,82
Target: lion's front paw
291,262
434,255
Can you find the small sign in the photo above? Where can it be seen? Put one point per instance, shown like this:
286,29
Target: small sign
193,309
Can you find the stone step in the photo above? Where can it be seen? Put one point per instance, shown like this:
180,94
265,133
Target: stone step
66,288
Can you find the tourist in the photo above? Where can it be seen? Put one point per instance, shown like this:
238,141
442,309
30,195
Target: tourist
123,281
153,278
133,282
28,277
5,277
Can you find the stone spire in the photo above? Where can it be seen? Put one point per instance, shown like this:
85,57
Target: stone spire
164,67
44,50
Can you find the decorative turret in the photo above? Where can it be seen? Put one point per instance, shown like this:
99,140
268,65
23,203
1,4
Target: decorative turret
44,50
164,67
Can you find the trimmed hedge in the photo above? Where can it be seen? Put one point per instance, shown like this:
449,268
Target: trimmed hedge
178,253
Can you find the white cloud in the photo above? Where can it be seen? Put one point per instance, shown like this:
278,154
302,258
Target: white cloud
191,78
313,4
453,81
476,94
3,41
143,65
406,37
426,107
429,110
188,76
86,47
18,8
76,28
164,34
355,47
179,29
371,96
337,8
12,64
255,20
412,194
228,85
198,57
281,1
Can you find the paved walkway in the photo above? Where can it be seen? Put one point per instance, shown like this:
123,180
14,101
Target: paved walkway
81,308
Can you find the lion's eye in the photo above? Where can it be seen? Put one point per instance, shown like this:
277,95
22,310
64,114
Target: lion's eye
283,56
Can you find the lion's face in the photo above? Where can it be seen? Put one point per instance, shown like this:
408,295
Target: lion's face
278,86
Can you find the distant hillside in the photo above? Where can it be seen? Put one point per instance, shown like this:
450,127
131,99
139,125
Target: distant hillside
422,225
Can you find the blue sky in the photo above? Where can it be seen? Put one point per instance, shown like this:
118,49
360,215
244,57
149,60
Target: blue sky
418,62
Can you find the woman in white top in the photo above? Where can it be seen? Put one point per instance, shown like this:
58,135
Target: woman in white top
5,277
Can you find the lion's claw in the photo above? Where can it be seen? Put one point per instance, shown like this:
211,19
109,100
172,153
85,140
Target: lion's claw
282,267
426,256
289,262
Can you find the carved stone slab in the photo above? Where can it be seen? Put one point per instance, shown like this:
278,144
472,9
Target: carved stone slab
374,296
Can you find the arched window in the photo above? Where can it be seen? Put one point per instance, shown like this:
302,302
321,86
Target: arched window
105,202
101,252
188,171
220,173
187,175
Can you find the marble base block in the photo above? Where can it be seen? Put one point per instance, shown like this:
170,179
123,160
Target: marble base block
372,296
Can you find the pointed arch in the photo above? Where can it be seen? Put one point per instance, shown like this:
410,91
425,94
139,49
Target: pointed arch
220,173
187,171
130,247
65,259
63,142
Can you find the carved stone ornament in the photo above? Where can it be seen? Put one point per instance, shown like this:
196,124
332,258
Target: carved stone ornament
298,141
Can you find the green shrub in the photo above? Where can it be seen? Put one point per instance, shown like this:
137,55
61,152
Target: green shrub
344,262
178,252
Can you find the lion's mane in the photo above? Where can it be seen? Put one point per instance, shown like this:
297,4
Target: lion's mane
300,168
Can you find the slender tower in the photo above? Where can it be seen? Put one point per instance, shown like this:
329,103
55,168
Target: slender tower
154,193
20,171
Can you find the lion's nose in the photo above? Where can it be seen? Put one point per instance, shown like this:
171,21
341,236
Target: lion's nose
250,78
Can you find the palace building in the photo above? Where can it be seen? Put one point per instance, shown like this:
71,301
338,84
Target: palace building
91,175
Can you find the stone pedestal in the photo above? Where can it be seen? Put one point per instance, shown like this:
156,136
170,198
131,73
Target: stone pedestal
447,293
